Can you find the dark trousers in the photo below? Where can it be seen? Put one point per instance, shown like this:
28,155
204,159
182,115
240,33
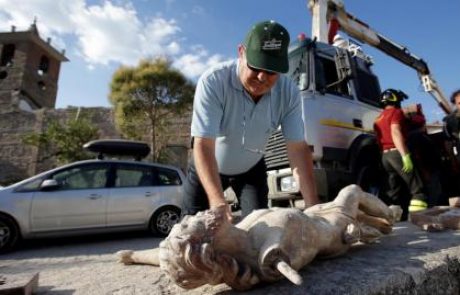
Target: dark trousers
427,159
399,180
251,189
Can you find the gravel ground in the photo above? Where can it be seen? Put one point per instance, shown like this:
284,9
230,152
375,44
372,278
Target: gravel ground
88,266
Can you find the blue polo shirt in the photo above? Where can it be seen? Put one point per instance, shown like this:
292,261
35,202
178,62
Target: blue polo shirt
223,110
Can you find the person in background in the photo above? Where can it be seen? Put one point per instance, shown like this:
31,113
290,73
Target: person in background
237,105
426,154
390,128
452,123
452,132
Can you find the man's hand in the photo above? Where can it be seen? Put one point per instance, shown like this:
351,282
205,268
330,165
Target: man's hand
407,164
222,205
206,167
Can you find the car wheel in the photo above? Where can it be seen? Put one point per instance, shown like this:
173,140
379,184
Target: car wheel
164,219
9,233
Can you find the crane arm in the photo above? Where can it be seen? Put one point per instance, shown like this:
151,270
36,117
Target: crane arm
327,12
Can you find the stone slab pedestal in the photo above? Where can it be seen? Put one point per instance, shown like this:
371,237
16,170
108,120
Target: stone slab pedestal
18,284
409,261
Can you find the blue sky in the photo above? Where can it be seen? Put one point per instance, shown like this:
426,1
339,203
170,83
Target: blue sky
99,36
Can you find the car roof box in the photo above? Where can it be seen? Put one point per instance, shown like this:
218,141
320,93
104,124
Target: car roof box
118,147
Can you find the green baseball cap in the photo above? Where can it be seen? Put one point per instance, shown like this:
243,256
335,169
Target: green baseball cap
267,47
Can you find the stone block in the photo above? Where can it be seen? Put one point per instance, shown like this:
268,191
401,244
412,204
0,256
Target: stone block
18,284
454,202
437,218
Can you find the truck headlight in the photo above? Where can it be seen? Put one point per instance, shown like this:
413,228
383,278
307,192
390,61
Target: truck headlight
288,184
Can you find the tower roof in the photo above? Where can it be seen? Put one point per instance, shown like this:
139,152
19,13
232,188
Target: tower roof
32,35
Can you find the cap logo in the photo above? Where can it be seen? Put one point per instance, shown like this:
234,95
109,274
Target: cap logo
272,45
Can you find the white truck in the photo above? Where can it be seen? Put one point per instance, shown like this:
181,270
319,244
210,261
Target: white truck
340,101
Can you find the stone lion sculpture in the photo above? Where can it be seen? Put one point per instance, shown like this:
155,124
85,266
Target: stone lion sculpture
268,244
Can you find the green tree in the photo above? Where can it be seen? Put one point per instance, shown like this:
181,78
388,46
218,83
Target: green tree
64,141
146,98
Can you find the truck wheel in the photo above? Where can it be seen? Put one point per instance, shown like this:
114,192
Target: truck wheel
9,233
164,219
369,179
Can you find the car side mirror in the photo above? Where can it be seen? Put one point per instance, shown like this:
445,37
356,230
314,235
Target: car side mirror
49,184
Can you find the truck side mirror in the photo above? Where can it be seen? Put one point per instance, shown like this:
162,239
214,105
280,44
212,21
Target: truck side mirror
303,81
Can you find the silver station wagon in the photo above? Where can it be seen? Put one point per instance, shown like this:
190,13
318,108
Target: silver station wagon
91,196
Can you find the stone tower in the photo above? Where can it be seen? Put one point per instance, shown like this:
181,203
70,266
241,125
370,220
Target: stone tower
29,71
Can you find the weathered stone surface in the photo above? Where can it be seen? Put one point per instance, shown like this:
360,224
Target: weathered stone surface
408,261
18,284
454,202
437,218
268,244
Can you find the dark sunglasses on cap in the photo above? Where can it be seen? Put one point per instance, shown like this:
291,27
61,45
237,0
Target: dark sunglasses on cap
257,71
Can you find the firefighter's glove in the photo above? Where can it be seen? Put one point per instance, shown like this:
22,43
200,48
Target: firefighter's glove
407,164
417,205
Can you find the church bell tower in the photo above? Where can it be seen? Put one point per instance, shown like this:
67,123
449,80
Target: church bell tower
29,71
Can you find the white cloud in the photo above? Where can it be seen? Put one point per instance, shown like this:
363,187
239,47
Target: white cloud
111,32
157,37
4,19
108,33
52,15
193,64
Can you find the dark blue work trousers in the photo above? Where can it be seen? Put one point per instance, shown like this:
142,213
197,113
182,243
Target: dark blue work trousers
250,187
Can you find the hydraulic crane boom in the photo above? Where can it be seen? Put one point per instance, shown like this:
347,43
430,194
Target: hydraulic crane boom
330,15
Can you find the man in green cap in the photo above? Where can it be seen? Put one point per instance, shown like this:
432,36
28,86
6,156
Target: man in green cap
237,106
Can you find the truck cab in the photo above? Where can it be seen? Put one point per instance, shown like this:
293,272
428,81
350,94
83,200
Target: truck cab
340,103
340,96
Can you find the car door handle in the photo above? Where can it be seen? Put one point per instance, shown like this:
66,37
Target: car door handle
149,194
94,197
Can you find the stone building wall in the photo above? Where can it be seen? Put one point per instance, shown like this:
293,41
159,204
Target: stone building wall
16,159
19,161
178,146
98,116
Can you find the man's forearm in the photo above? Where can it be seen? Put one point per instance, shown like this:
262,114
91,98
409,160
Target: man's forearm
301,161
207,170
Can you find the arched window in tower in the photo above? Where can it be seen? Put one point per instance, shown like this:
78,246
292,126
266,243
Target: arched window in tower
44,65
7,55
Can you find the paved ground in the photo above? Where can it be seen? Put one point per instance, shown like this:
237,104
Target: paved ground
404,262
86,265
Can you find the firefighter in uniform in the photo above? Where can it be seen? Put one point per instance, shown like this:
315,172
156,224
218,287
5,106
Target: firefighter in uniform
390,129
